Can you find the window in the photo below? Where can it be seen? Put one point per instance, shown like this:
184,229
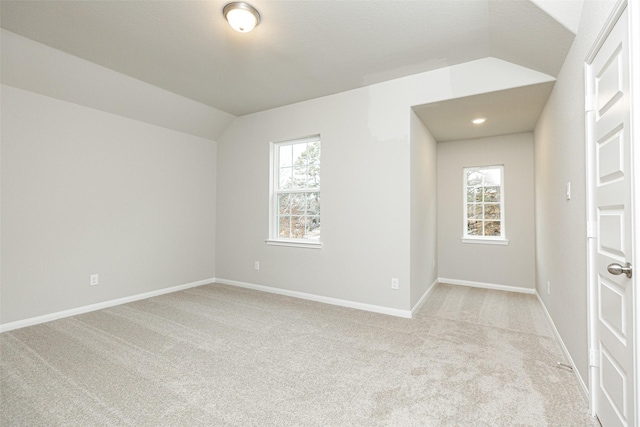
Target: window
484,205
295,193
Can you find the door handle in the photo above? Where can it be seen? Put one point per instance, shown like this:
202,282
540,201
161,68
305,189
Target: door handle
618,269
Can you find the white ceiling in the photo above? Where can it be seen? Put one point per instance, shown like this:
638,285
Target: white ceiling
507,111
301,49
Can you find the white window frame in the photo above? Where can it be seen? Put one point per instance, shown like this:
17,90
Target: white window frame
274,192
489,240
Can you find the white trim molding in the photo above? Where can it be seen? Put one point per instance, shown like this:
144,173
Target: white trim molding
318,298
423,298
634,49
487,285
295,243
583,386
485,241
98,306
275,191
481,170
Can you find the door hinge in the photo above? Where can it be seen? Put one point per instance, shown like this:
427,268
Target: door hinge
593,358
592,229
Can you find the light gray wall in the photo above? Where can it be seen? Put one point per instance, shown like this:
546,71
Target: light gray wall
100,173
365,209
87,192
366,197
424,209
561,224
509,265
104,174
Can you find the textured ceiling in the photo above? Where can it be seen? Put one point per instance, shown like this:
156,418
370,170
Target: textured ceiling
507,111
301,49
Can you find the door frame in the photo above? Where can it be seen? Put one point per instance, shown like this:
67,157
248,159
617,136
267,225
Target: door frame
633,8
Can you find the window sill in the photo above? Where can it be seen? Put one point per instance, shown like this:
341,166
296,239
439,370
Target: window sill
309,244
485,241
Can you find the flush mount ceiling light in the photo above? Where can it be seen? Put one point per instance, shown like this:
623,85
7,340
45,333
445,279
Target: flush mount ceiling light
479,120
241,16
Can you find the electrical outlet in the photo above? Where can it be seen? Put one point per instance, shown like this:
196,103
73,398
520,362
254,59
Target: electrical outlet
256,265
433,264
395,283
548,288
93,279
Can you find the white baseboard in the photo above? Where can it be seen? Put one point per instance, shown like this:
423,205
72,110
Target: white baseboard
583,386
318,298
486,285
98,306
423,298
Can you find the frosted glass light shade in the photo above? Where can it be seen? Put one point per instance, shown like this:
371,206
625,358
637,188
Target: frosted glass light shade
241,16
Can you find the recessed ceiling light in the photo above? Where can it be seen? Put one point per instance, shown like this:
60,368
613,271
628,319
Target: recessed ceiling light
479,120
241,16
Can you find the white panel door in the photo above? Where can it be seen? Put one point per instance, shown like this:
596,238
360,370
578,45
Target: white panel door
610,142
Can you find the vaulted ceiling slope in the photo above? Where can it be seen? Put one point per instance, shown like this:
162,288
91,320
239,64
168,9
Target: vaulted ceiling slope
301,49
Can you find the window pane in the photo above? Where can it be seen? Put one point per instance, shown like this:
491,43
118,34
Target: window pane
284,226
298,203
491,177
284,155
492,194
474,228
470,195
284,178
297,227
313,176
492,228
474,211
314,153
299,177
492,211
312,228
474,194
474,178
313,204
298,150
284,206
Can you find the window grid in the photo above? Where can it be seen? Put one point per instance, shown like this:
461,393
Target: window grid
296,192
484,202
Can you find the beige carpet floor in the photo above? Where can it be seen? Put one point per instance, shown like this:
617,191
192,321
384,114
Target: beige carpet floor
223,356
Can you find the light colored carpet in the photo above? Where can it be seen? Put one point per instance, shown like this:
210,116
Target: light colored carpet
223,356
